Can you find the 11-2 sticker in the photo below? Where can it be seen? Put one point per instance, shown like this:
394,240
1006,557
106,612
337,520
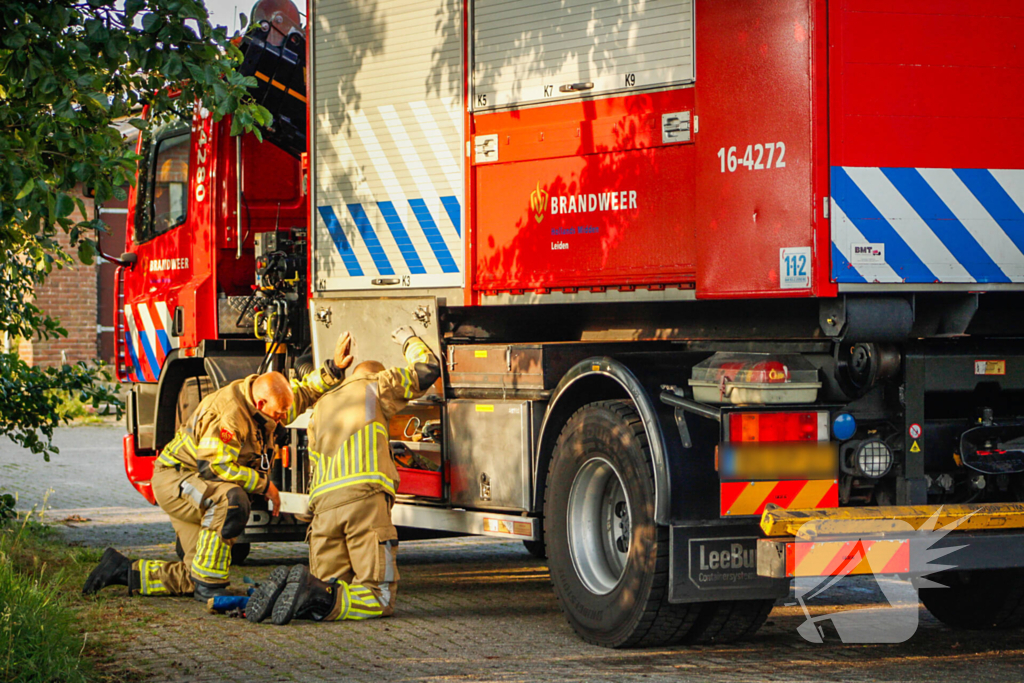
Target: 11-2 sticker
795,268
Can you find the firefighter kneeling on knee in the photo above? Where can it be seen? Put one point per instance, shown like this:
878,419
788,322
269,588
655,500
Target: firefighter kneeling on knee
204,476
352,543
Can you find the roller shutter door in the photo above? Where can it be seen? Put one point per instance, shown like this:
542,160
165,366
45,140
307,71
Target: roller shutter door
387,167
530,51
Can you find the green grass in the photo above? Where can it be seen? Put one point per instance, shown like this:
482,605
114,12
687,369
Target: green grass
39,641
48,631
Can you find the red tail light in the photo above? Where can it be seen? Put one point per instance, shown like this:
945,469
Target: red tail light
777,427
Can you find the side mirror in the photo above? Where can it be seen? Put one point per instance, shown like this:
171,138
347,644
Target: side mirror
129,258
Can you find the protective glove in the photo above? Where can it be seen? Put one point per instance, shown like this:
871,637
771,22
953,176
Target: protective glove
402,334
342,357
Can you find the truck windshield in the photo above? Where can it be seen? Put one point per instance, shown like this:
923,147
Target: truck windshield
163,201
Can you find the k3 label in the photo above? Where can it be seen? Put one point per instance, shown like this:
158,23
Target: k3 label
795,268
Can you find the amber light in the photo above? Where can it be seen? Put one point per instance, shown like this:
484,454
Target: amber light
773,427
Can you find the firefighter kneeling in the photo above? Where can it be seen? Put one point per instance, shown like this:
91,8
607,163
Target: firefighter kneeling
203,479
352,543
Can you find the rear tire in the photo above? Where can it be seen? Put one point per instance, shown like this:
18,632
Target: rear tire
979,600
193,391
732,620
609,561
536,548
239,553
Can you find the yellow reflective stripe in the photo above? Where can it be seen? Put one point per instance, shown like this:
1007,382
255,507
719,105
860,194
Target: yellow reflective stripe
344,601
317,463
371,450
366,478
213,560
363,604
180,442
218,445
223,464
406,382
313,380
167,459
355,462
418,352
200,550
244,476
184,442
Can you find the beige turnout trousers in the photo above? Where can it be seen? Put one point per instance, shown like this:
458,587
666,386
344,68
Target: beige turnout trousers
357,544
198,510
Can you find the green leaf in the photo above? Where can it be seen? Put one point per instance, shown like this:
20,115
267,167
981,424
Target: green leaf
31,226
98,99
15,40
25,189
172,65
65,205
86,251
263,116
132,7
151,22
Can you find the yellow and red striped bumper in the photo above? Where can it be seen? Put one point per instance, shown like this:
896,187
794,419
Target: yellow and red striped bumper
866,540
752,497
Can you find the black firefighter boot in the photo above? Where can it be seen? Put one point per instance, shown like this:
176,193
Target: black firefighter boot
114,569
304,596
204,591
261,604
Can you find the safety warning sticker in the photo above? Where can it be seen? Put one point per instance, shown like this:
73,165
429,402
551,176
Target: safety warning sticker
915,431
990,367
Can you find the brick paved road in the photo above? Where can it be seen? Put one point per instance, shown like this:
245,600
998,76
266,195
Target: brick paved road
469,610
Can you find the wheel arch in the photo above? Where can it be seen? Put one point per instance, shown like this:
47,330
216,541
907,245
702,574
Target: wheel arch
176,370
596,379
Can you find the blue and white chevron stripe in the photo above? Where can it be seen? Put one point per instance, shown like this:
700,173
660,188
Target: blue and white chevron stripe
388,196
438,259
927,225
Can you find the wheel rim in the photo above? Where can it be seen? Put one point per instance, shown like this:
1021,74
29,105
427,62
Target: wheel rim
598,526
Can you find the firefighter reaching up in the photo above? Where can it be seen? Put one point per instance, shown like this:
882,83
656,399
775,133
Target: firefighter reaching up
204,476
352,543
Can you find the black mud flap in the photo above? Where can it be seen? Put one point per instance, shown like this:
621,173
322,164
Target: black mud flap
718,563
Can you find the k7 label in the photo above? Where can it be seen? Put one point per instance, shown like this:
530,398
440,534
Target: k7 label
759,157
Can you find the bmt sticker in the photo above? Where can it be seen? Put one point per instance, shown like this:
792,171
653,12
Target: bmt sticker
795,268
866,254
915,431
990,367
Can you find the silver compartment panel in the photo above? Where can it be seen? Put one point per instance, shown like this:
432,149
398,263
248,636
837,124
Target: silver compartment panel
492,439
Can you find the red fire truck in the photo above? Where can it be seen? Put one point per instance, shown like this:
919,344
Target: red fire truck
699,272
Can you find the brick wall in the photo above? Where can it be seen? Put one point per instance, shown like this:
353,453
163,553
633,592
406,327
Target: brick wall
69,294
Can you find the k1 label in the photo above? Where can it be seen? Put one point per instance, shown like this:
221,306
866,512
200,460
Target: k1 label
795,268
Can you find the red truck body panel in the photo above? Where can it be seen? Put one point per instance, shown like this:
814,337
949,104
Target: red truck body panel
927,83
699,221
927,127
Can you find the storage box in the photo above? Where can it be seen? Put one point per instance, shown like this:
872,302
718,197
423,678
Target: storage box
420,483
755,378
